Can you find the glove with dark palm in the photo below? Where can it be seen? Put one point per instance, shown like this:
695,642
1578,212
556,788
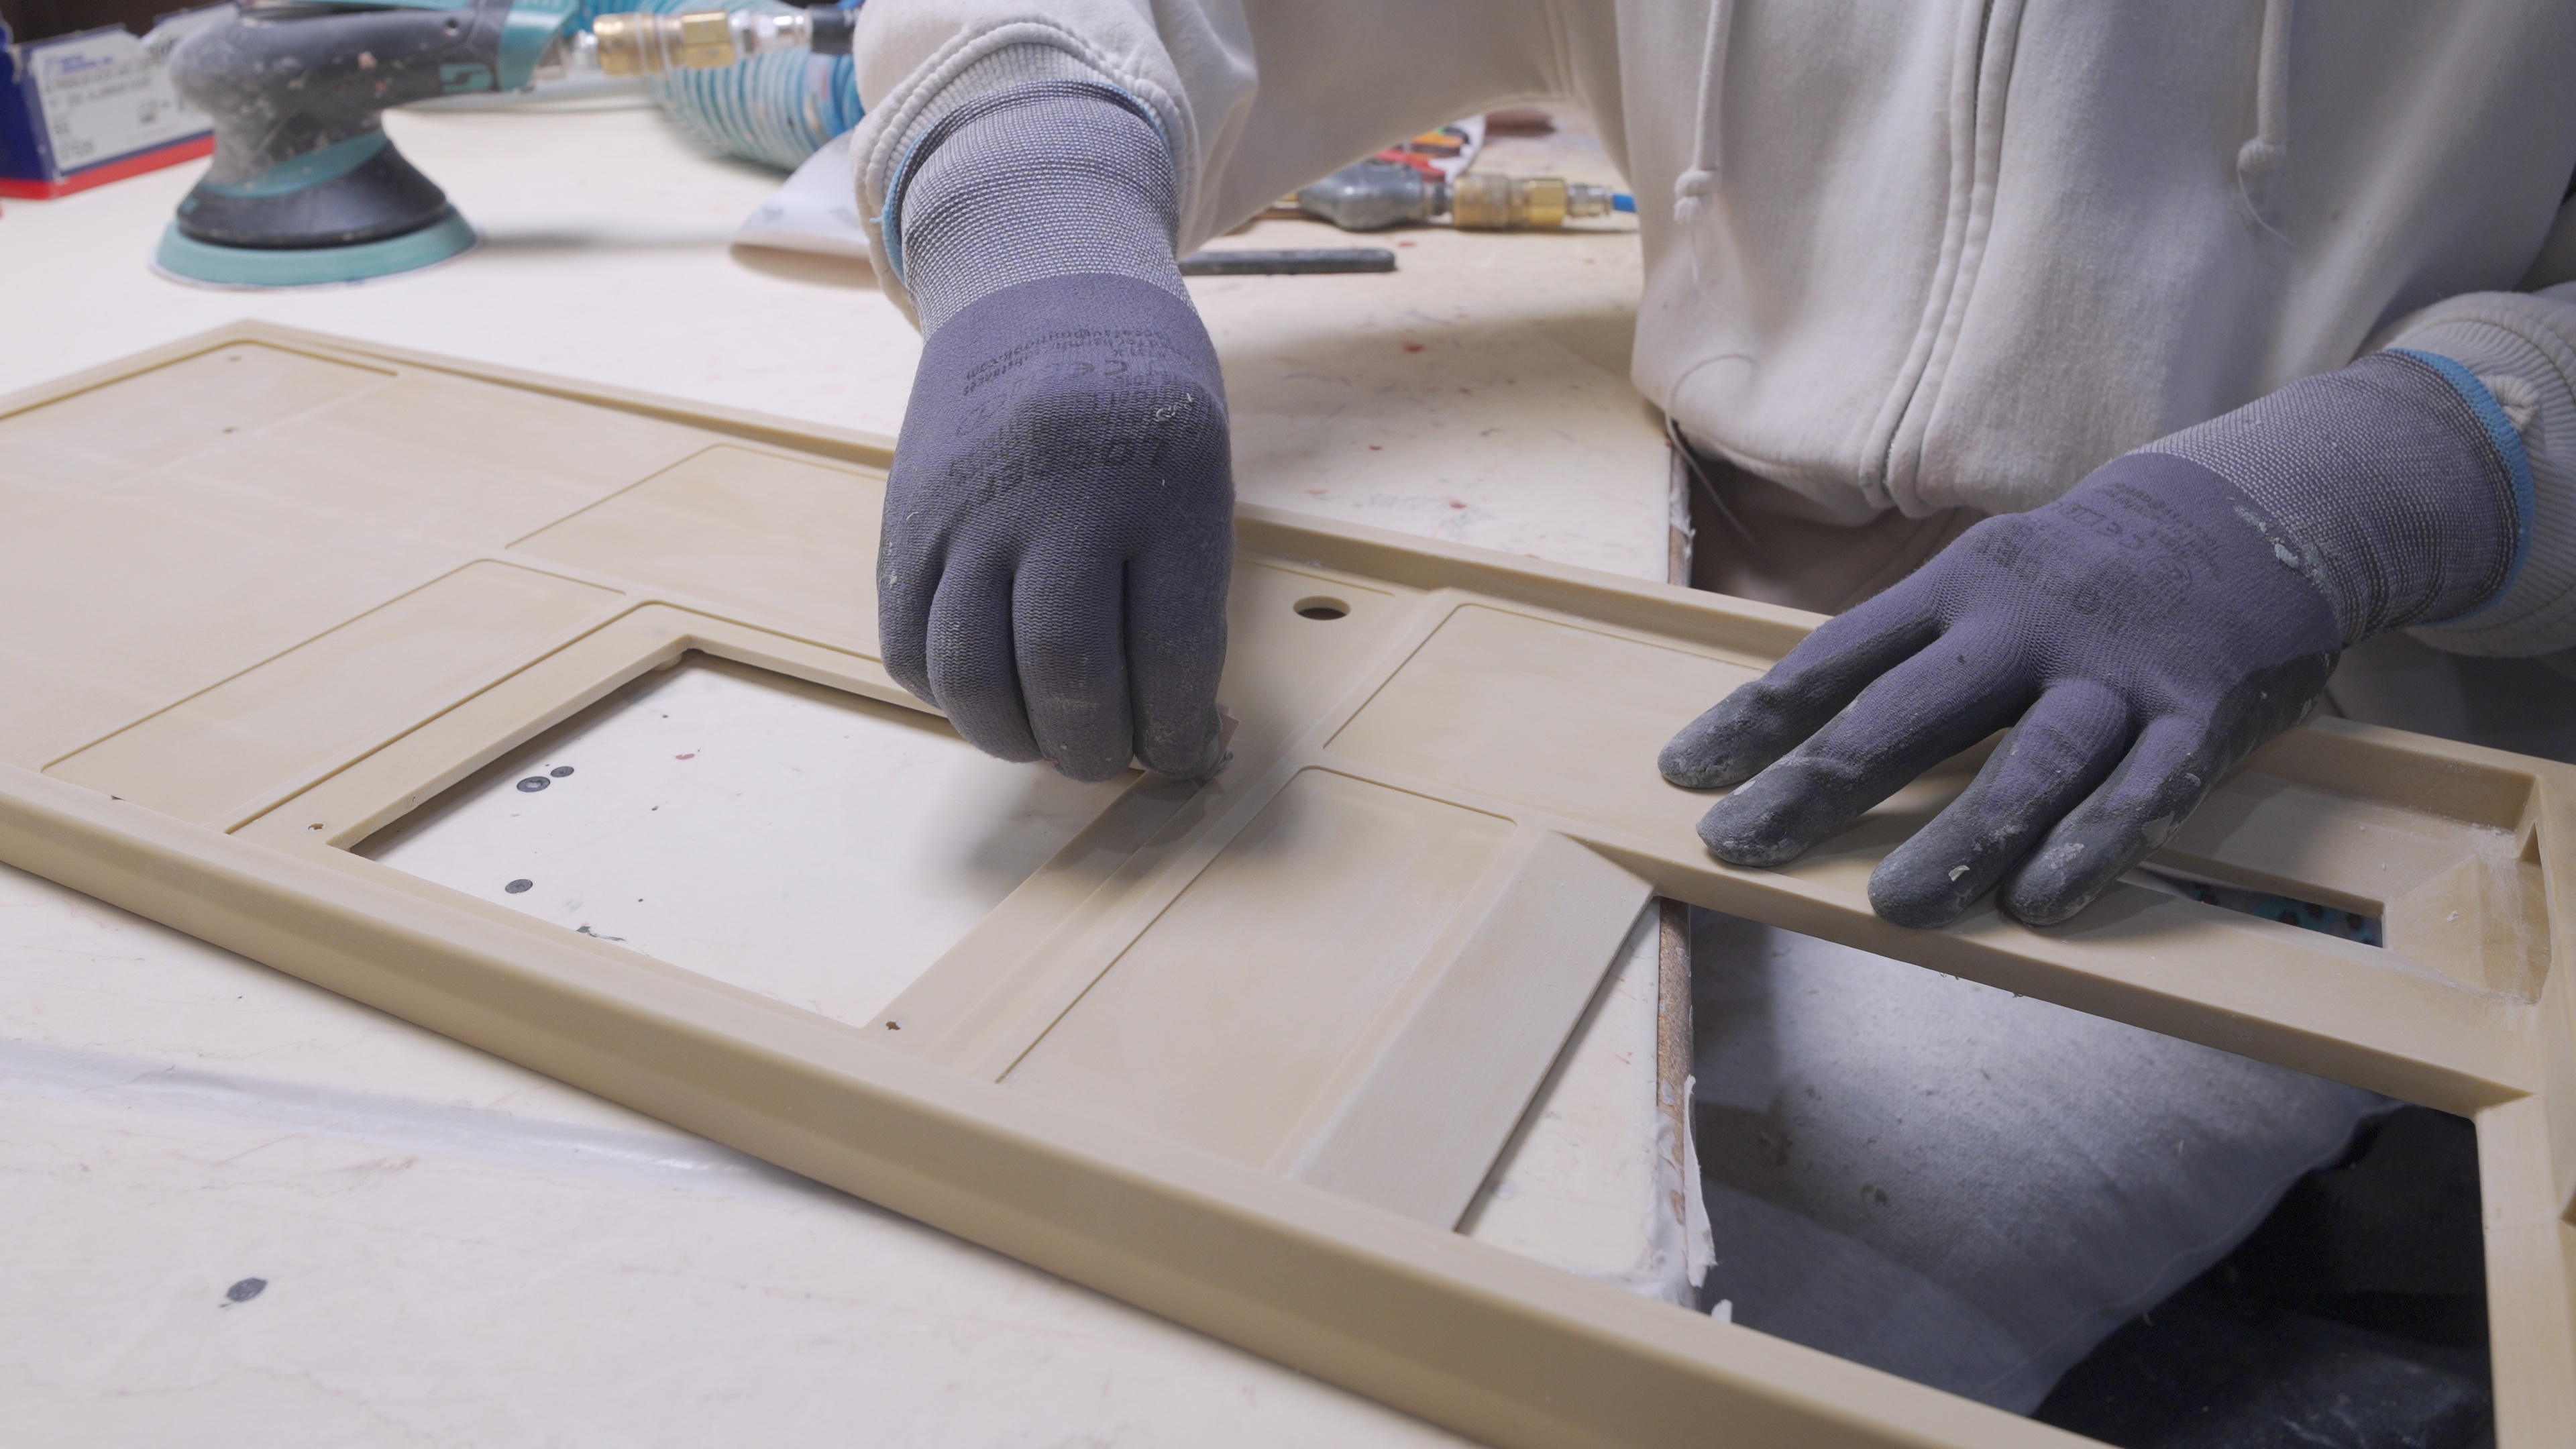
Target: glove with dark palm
2141,636
1059,519
1059,529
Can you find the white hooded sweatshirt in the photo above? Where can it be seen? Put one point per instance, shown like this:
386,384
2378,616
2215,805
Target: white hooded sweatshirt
1919,254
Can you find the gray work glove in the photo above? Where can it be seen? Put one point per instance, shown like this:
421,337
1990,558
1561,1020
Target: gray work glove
1059,519
1059,529
2141,636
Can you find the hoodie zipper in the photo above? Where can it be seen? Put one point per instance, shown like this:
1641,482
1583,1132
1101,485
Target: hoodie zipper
1988,34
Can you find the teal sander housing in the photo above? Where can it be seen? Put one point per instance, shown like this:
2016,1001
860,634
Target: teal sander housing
306,188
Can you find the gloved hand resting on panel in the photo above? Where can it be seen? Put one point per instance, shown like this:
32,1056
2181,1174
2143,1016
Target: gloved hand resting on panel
2141,636
1059,519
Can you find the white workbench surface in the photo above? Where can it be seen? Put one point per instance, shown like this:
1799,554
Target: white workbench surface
458,1251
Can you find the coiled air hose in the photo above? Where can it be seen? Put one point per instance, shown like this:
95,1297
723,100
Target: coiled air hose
775,109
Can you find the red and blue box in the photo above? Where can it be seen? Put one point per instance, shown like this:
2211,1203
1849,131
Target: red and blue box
85,109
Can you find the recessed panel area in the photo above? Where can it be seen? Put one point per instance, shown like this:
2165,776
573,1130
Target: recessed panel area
1285,653
175,529
94,438
792,539
1222,1024
804,843
369,678
1571,717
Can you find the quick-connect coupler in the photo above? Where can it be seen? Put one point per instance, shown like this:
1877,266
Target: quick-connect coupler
1482,202
640,43
1375,194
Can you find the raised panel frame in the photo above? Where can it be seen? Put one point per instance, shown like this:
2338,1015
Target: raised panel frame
1526,692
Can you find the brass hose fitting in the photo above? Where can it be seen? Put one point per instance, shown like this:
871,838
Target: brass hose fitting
638,43
1482,201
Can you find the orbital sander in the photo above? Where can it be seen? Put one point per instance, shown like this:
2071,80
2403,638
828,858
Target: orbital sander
306,189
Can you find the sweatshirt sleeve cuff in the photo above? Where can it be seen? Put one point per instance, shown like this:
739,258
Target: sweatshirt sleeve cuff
965,65
2517,466
2512,357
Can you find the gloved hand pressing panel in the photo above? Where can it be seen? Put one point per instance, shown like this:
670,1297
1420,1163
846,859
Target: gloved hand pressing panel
2141,636
1059,518
1059,529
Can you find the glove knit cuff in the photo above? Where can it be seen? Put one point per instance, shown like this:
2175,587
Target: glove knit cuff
2395,489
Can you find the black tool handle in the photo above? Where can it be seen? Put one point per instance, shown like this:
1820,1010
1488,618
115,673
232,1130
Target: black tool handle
833,28
1296,261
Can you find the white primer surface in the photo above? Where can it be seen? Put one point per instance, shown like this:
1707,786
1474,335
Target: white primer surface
804,843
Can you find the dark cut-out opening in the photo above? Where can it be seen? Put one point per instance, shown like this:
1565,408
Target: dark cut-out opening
2336,921
2356,1315
1322,609
2119,1233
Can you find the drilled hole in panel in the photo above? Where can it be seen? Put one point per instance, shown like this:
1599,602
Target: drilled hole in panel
1322,608
808,844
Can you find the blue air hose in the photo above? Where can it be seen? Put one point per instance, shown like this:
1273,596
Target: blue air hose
774,109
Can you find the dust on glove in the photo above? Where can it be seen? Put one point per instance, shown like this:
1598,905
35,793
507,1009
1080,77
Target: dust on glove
2140,637
1059,528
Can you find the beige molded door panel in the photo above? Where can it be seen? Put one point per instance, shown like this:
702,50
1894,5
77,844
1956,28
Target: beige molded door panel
1240,1052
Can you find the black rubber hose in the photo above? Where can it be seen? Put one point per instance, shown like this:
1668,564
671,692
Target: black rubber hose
833,29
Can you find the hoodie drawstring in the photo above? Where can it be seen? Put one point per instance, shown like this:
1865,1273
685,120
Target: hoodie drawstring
1693,186
2258,158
